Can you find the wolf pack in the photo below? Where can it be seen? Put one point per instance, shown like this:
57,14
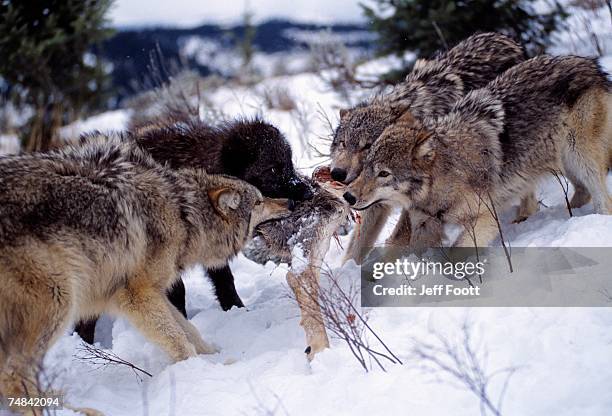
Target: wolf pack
109,224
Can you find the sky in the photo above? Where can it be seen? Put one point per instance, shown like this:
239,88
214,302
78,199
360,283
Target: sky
187,13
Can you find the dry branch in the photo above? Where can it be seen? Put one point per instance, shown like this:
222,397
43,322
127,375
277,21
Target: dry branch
565,187
465,362
102,358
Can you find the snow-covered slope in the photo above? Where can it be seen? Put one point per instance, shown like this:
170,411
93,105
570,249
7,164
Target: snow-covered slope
563,355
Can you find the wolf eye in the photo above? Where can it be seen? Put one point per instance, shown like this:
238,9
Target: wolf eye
383,174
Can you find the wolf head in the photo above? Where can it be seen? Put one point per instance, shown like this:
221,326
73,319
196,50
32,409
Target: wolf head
358,129
243,206
397,167
258,153
409,158
428,91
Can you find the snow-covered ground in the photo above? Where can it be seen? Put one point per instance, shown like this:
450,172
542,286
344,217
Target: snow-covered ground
563,355
9,144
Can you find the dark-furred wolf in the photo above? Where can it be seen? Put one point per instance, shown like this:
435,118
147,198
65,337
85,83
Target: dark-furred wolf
545,115
106,229
430,90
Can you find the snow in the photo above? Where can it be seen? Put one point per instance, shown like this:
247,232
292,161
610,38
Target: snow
298,259
108,121
581,26
9,144
563,354
314,36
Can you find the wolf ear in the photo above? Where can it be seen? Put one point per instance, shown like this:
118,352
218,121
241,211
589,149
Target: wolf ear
399,109
224,200
407,117
425,146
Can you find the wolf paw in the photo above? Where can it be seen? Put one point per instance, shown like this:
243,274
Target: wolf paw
313,349
207,348
87,411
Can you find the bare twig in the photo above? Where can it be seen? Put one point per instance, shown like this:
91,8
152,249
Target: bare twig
278,98
174,93
263,409
606,293
334,65
465,362
493,211
302,120
440,35
327,120
565,187
470,223
103,358
363,320
589,10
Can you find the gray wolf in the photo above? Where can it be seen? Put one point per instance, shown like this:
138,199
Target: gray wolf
106,229
430,90
545,115
251,150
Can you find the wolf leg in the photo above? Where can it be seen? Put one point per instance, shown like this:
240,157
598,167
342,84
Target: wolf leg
304,281
402,232
581,196
365,234
201,346
602,203
586,156
87,330
588,171
176,296
427,231
223,281
305,287
484,230
148,309
527,207
19,379
35,309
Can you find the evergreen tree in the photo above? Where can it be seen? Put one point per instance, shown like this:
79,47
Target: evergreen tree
426,26
246,43
47,62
